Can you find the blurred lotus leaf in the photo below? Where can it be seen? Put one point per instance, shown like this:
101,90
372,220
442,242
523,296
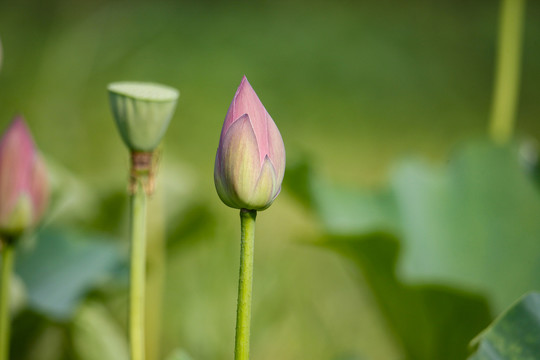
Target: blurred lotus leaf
62,266
71,198
430,321
459,225
95,336
514,335
472,225
453,232
179,355
17,295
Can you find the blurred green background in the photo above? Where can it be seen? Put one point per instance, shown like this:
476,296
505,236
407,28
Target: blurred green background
351,85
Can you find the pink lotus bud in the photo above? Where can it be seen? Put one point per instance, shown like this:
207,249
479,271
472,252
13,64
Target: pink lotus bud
250,159
24,187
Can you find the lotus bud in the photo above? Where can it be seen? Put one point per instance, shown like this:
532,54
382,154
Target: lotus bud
24,187
250,159
142,112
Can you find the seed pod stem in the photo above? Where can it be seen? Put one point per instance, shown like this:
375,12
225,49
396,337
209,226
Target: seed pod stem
137,272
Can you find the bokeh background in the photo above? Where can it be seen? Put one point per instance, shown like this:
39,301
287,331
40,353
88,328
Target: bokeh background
353,87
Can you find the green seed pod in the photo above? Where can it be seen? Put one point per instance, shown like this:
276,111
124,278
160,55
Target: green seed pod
142,112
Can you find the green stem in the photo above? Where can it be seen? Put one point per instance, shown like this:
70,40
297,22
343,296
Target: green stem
137,273
8,254
508,70
245,284
155,275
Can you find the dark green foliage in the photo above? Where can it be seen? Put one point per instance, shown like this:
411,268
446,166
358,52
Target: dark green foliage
430,321
515,335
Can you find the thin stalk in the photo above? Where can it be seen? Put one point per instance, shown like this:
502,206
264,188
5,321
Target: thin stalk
8,254
245,284
137,273
155,276
507,75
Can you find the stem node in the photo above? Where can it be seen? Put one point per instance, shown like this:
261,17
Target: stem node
143,169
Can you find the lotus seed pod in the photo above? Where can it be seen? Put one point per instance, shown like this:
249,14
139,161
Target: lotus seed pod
142,112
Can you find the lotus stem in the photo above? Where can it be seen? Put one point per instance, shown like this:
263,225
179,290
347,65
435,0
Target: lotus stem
508,69
155,276
8,254
245,284
138,272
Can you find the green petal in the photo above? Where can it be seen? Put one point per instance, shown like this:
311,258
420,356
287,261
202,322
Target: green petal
240,164
221,186
20,217
266,188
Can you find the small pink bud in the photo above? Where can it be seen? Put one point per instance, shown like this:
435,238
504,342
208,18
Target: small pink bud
24,187
250,159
